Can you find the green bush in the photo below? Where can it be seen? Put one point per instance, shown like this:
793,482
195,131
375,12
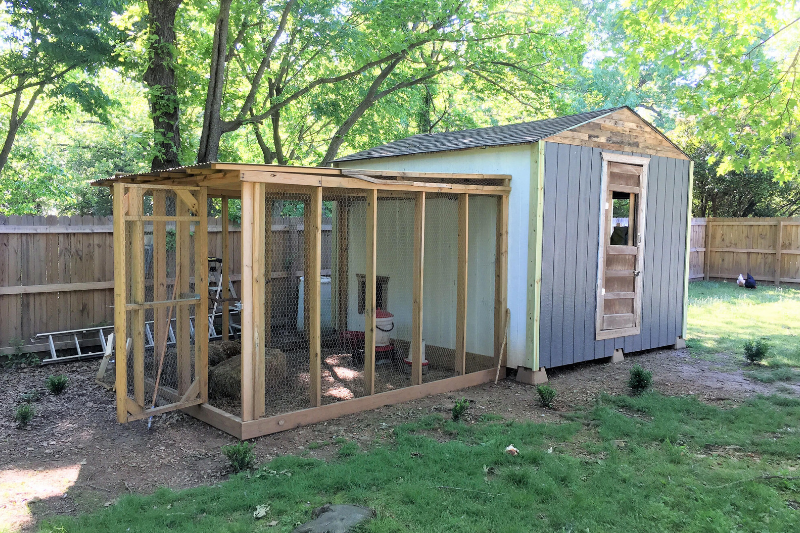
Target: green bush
460,408
546,395
240,455
640,379
31,396
24,414
57,384
756,351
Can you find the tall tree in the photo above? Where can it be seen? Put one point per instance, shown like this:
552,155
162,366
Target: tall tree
42,43
363,52
730,66
161,83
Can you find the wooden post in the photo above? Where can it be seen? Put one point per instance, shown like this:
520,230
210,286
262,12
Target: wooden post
707,253
183,333
201,287
313,231
135,206
370,280
159,264
247,301
258,307
778,251
687,264
535,236
501,284
120,299
416,302
342,259
461,284
226,270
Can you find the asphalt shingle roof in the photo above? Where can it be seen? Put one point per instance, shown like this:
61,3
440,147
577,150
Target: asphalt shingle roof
523,133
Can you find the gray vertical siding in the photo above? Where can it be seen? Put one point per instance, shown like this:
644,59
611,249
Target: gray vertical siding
572,176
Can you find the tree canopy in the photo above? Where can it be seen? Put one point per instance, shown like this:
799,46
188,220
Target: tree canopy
95,87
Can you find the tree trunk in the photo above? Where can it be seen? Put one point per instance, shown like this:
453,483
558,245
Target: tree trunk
160,79
16,119
424,116
268,154
212,125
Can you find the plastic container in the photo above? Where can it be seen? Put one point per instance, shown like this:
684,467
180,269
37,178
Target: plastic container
384,324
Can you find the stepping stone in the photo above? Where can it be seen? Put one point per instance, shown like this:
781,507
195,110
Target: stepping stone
335,519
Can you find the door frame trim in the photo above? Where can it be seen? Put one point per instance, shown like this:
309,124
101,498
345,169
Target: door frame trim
607,157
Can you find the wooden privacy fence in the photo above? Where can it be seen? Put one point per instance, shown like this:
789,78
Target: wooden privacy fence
57,273
767,248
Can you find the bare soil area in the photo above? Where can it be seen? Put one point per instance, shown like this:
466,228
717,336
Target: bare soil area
74,457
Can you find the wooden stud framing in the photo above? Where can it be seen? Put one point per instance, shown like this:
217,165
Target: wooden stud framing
120,297
137,292
259,274
501,282
417,296
191,394
201,310
183,334
160,292
313,231
248,192
687,267
461,285
369,299
226,270
535,235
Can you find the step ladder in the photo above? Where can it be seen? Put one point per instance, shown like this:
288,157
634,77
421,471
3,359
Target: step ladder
215,275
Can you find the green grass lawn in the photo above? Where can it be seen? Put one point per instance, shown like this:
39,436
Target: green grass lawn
650,463
722,317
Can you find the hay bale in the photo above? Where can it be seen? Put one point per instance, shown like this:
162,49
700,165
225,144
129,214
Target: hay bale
222,351
224,379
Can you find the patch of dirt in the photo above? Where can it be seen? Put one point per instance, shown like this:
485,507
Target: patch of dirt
75,457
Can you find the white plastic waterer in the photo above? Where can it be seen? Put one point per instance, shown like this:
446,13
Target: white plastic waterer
384,324
408,361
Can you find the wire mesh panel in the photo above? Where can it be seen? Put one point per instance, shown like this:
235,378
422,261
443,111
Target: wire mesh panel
287,303
394,291
342,298
481,283
440,274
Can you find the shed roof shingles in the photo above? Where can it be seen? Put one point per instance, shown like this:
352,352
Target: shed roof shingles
522,133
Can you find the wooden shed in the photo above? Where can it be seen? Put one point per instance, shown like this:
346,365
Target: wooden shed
337,267
598,223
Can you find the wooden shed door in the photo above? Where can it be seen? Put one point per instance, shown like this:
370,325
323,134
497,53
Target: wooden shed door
622,230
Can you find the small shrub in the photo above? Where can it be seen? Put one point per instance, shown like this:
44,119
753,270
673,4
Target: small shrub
546,395
640,379
31,396
240,456
24,414
57,384
460,408
756,351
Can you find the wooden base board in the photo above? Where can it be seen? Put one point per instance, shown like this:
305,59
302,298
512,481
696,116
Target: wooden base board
531,377
618,356
265,426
